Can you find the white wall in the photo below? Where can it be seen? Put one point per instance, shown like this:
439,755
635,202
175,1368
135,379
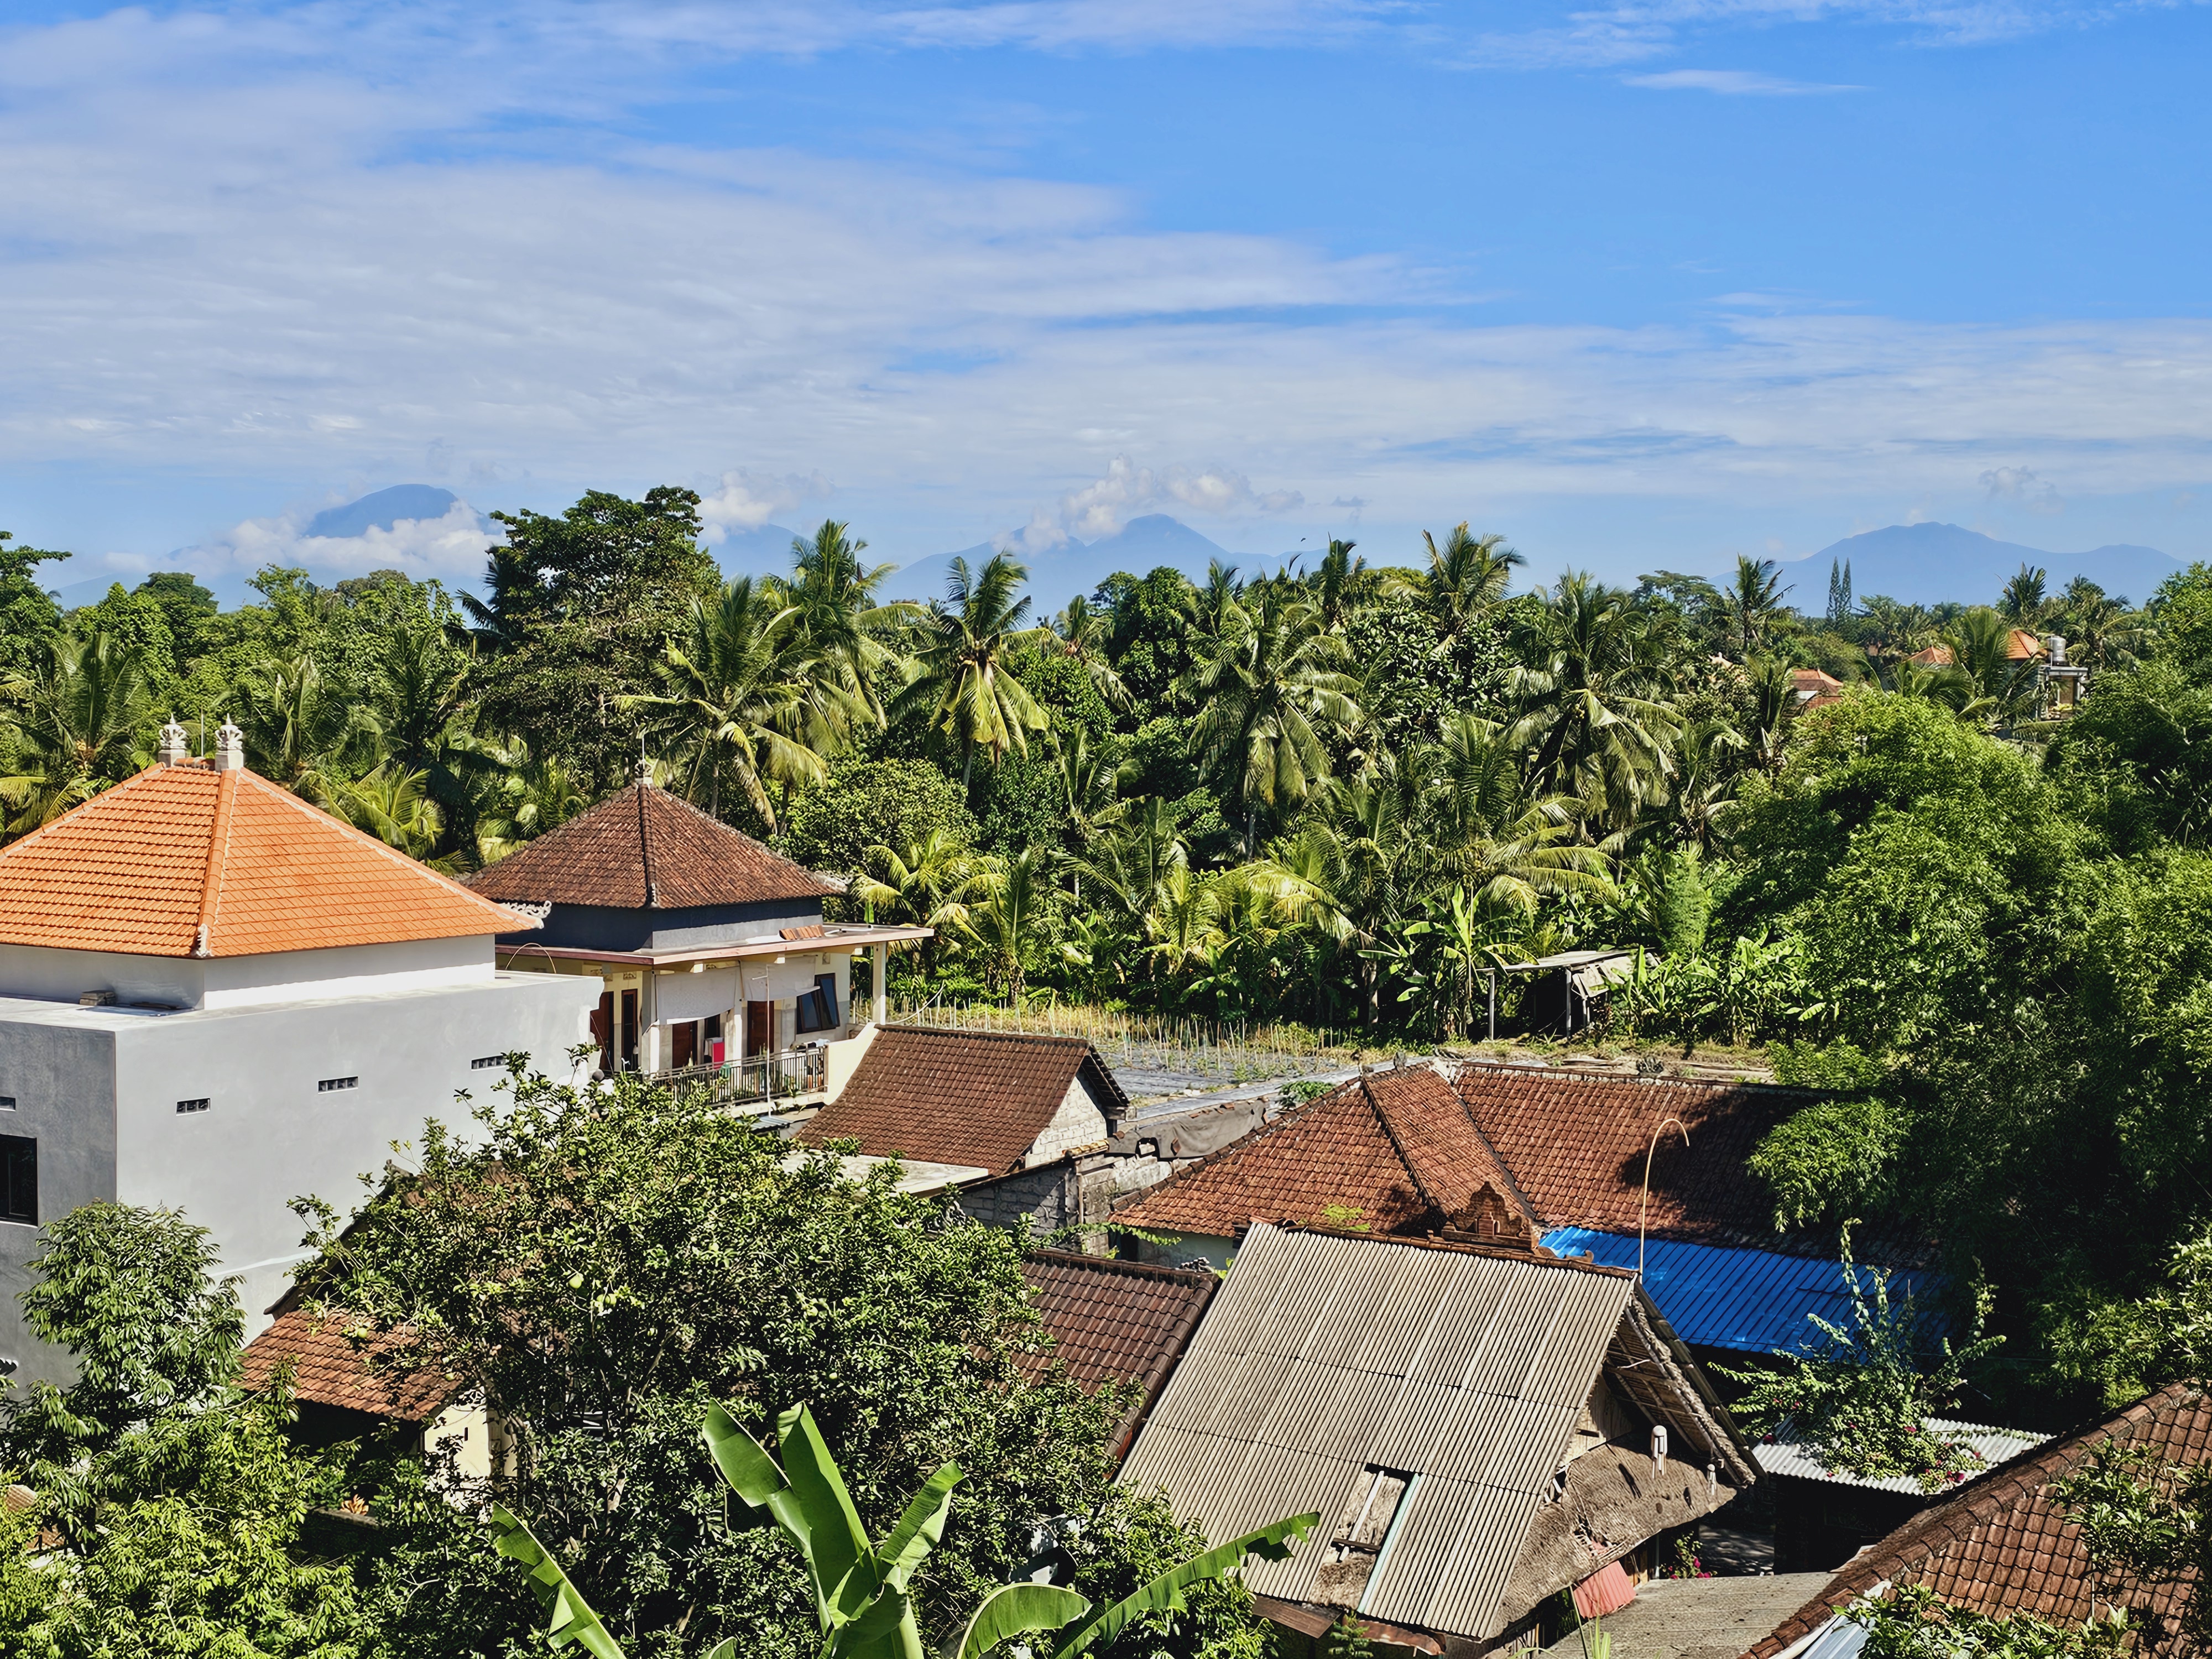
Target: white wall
350,970
270,1135
30,971
242,981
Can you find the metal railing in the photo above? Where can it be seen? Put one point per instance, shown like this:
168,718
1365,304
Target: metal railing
757,1077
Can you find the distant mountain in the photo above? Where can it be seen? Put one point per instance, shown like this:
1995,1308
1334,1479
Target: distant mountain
1928,563
1059,575
381,510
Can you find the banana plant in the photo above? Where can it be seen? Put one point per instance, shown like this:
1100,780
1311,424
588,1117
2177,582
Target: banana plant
861,1589
807,1498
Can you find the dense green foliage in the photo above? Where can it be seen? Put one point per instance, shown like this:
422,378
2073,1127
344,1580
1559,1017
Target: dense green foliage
1342,797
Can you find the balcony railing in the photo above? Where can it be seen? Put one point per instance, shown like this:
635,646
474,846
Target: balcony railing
757,1077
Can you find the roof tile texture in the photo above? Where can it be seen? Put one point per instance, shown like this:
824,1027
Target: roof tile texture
1576,1145
980,1098
1999,1544
1114,1321
138,868
645,835
333,1370
1399,1147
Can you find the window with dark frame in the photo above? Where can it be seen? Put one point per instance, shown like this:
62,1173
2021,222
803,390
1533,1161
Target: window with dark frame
19,1180
198,1105
328,1084
817,1008
6,1103
486,1062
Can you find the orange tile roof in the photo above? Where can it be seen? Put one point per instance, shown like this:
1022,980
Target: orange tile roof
2002,1544
1397,1147
332,1368
183,861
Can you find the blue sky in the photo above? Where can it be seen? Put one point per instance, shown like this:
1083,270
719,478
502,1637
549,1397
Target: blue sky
1643,284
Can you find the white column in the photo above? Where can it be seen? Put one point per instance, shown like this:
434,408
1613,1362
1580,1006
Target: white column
883,977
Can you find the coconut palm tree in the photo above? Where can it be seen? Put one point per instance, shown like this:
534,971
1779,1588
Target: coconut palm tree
1590,702
1341,585
1466,577
2025,600
1216,611
1704,792
1129,867
528,795
839,615
1754,602
1270,695
962,677
302,731
1082,634
1005,918
79,721
747,698
1981,642
392,804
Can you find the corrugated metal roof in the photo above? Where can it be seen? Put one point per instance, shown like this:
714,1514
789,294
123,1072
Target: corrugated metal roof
1783,1456
1324,1355
1752,1301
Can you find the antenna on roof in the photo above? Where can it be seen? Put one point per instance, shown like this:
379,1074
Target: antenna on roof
1644,1203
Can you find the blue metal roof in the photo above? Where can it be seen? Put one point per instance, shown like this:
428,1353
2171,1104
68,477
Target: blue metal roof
1752,1301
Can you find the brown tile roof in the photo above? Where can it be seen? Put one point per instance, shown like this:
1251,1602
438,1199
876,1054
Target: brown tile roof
143,868
644,848
333,1370
980,1098
1999,1544
1397,1147
1576,1144
1115,1322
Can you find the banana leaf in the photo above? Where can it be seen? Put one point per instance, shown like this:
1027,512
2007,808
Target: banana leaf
1014,1609
570,1618
1164,1593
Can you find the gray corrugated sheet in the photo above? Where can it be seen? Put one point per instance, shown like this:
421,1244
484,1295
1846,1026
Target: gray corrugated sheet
1323,1354
1783,1455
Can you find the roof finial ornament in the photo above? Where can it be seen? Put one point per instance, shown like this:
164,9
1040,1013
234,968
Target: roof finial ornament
175,749
229,747
644,763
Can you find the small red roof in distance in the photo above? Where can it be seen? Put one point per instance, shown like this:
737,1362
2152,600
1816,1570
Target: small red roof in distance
1114,1321
980,1098
1576,1144
644,837
141,867
2001,1544
332,1370
1397,1147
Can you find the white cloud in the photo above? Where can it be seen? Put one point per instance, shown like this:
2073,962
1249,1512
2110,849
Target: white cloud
745,500
203,299
1127,490
1732,83
451,549
2022,484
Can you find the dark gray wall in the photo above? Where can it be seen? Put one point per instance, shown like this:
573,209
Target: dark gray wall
603,927
62,1076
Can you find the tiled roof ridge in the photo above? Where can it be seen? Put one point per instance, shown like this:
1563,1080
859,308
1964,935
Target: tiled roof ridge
1003,1036
645,844
1116,1264
218,863
1475,1129
506,921
1694,1084
1390,1134
2019,1478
